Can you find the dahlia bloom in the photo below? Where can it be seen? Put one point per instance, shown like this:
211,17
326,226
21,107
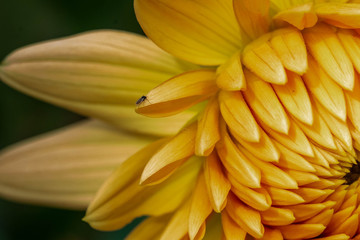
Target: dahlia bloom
253,108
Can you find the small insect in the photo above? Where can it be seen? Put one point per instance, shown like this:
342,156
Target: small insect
140,100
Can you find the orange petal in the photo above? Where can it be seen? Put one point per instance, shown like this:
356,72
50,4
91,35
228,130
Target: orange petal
284,197
304,212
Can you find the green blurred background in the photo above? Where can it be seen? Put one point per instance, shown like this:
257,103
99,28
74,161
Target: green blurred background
23,22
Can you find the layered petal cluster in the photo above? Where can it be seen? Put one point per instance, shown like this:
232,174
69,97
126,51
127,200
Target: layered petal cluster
271,141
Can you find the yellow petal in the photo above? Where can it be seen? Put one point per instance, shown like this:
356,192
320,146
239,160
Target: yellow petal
177,227
302,178
301,16
230,75
319,132
343,15
277,216
350,40
165,161
349,226
239,118
121,198
270,174
303,212
208,132
325,90
232,230
252,223
310,194
327,49
257,198
264,149
199,32
338,128
217,184
294,96
294,140
353,104
284,197
260,58
289,44
323,217
264,102
200,207
65,168
178,93
291,160
272,234
236,163
98,74
301,231
253,16
150,228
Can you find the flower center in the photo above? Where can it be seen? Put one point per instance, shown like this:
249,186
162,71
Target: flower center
353,175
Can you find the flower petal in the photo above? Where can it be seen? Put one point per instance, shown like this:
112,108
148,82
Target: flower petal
294,96
289,44
208,131
232,230
217,184
253,16
260,58
98,74
277,216
328,51
121,198
266,105
300,16
342,15
200,208
64,168
178,93
239,118
171,155
251,223
202,32
150,228
236,163
230,75
301,231
325,90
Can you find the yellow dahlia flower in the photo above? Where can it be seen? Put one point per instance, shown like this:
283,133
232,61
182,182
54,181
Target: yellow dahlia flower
259,102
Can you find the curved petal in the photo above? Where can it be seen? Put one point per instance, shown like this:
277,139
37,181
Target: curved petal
99,74
121,198
204,32
64,168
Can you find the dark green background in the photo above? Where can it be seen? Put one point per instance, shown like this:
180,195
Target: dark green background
28,21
